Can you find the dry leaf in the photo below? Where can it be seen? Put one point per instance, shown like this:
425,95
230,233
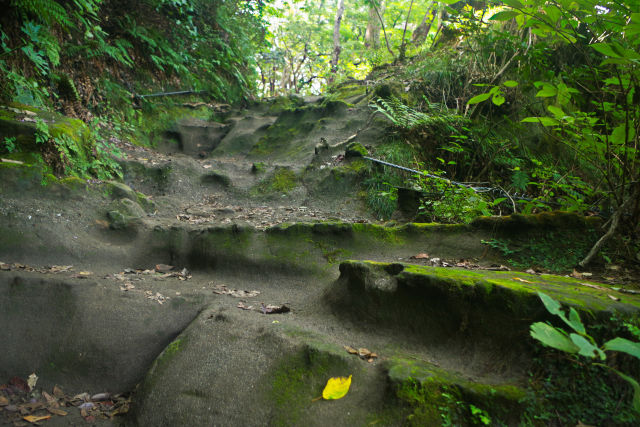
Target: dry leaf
336,388
420,256
127,286
521,280
238,293
4,401
350,350
274,309
59,412
82,275
100,396
164,268
244,307
32,381
598,287
35,419
613,298
51,401
20,384
57,392
576,274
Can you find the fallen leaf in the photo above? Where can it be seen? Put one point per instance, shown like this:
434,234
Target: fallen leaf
4,401
59,412
521,280
244,307
57,392
420,256
15,162
238,293
51,401
274,309
35,418
100,396
363,352
82,396
60,268
164,268
613,298
531,271
127,286
19,384
576,274
5,267
350,350
82,275
32,381
598,287
336,388
498,268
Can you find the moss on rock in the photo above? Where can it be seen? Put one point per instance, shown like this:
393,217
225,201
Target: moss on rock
355,149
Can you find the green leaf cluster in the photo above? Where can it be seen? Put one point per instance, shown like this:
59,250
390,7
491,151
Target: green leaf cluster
580,343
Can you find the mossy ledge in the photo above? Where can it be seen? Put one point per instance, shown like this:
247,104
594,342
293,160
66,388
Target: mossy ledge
542,221
431,392
484,314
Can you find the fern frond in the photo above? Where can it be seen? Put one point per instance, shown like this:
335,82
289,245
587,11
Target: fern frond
48,12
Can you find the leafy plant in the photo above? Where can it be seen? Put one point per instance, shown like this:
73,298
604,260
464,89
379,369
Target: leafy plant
450,203
580,343
10,144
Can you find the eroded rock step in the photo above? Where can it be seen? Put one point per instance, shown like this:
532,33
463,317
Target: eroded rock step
435,329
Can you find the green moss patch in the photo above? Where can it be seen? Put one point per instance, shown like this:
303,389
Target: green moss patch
299,379
282,180
438,397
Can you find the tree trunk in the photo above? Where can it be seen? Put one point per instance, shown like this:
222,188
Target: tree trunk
386,39
336,40
615,221
372,35
422,30
403,46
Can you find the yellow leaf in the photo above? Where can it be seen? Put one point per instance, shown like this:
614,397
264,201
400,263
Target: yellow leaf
35,419
336,388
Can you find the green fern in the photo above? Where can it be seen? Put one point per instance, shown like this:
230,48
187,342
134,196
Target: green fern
49,12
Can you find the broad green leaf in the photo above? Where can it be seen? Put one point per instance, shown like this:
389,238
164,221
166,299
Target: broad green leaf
498,99
623,345
336,388
618,136
544,121
510,83
552,12
553,337
513,3
605,49
575,322
504,15
550,304
556,111
547,91
587,349
479,98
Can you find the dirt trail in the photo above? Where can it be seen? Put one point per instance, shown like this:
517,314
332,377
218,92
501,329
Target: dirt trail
265,202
